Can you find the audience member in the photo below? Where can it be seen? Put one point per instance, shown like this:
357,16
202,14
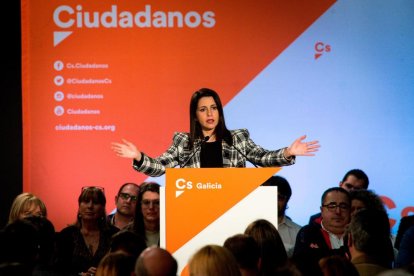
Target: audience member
368,242
247,253
155,261
272,251
81,246
395,272
116,264
147,215
26,205
315,241
405,223
288,229
46,251
354,179
128,242
337,266
213,260
19,248
405,255
365,199
289,269
125,201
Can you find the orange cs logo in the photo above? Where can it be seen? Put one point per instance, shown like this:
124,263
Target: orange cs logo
390,204
321,48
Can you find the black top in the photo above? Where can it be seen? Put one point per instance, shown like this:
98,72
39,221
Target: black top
211,155
73,255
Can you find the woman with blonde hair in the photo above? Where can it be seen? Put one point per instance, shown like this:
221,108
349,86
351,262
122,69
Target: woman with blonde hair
27,205
213,260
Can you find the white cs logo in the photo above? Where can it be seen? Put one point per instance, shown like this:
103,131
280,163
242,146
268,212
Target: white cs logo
182,184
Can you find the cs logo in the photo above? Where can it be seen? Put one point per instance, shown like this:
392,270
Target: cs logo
390,204
321,48
181,185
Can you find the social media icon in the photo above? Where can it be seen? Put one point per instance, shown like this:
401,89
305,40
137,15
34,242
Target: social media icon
58,65
59,110
59,80
59,96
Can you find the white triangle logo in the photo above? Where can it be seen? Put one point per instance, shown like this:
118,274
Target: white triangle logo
178,193
58,37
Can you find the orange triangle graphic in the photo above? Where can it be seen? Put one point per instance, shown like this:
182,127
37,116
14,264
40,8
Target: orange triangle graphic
207,194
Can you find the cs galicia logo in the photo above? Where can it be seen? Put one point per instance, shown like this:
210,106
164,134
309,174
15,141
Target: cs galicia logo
182,185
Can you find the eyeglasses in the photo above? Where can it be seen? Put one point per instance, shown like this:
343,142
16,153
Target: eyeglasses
147,203
93,187
332,206
126,196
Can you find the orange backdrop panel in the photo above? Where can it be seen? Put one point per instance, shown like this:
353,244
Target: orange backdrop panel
150,75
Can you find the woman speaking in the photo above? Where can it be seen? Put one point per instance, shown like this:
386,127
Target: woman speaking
211,145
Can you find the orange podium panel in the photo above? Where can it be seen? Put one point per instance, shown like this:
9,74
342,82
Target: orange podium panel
205,206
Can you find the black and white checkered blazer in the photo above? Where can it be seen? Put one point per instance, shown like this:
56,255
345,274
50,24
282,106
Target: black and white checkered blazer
178,153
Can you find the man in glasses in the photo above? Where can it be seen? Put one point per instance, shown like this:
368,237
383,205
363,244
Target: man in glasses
354,179
315,241
125,201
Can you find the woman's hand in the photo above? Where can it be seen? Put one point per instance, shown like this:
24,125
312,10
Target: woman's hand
126,149
300,148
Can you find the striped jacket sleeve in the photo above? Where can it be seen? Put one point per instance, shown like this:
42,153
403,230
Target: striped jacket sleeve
169,159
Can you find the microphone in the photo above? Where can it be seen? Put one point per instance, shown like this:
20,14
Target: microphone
205,139
244,155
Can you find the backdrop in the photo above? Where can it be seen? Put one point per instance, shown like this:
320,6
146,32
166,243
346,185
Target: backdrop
341,72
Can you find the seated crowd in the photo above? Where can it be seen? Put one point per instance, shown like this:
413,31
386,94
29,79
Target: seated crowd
350,236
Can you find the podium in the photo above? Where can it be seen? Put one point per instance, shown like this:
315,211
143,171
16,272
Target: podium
206,206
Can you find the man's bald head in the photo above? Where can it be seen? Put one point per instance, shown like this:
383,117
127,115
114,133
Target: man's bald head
156,261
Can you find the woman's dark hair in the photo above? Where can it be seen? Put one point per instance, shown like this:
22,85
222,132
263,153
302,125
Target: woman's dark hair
370,199
138,225
46,235
97,195
129,242
222,133
245,249
272,251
